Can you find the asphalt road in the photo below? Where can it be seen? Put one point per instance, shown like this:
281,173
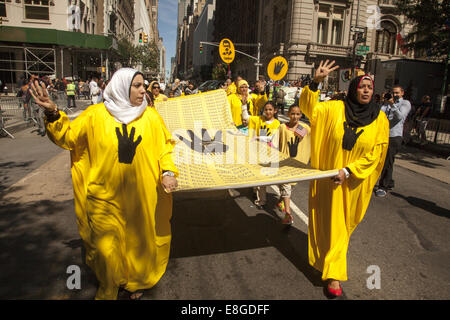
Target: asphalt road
222,247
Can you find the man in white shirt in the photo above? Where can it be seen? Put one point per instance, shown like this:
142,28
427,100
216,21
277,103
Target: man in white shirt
396,109
95,90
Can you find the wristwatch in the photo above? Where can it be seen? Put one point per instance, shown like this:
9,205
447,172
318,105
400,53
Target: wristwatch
168,173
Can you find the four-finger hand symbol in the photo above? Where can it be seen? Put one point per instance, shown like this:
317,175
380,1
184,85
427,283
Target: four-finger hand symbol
127,145
278,67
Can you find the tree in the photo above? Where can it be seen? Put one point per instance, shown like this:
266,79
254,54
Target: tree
431,32
219,72
130,55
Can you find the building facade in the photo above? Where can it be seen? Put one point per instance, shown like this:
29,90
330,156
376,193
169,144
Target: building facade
64,38
307,31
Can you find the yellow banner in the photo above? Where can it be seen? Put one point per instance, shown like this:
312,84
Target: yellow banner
211,154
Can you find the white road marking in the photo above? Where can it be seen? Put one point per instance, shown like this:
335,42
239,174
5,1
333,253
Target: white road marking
294,209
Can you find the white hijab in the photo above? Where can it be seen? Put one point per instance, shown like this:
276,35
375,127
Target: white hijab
117,97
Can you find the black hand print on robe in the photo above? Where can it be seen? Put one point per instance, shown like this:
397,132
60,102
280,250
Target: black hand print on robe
127,147
350,137
293,146
205,145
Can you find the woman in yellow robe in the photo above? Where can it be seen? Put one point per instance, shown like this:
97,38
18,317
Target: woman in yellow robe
240,103
351,136
259,99
155,89
122,171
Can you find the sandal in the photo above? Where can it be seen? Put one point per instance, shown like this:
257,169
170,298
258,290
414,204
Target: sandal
136,295
280,206
288,219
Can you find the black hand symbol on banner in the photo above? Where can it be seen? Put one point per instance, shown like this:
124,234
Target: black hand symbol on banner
206,144
293,147
127,147
278,67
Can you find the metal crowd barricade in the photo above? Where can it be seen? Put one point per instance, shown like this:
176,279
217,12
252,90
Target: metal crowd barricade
438,131
11,112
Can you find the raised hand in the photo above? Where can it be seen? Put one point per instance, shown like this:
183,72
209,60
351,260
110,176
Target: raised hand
324,70
293,147
41,97
127,145
278,67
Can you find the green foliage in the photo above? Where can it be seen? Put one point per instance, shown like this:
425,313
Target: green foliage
430,33
219,72
130,55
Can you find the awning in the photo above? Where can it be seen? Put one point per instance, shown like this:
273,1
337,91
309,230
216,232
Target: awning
55,37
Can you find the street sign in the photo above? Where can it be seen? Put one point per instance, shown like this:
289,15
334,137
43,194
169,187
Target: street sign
277,68
226,51
363,48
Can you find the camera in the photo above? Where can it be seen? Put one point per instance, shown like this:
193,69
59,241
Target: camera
387,96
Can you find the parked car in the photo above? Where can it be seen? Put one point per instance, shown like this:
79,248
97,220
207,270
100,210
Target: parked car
210,85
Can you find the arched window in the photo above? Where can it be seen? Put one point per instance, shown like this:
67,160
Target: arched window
386,38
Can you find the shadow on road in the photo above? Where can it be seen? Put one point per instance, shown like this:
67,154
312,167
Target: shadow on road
425,205
212,227
34,253
4,172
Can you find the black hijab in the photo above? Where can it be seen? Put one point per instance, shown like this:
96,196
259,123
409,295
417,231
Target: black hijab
357,114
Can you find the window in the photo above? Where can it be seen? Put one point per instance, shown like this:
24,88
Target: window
386,38
322,34
330,25
2,8
37,9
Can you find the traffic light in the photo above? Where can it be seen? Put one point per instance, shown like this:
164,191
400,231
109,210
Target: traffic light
145,38
201,48
140,36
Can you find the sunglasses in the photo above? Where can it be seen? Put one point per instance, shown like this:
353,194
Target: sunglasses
155,87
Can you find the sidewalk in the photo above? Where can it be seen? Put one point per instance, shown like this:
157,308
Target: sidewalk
16,125
424,161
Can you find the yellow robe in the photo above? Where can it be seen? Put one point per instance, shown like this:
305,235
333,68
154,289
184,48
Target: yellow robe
335,211
259,100
256,122
236,108
161,97
303,148
123,214
231,89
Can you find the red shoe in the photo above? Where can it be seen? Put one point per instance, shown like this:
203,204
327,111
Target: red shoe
334,292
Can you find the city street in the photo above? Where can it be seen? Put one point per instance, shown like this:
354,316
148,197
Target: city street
222,246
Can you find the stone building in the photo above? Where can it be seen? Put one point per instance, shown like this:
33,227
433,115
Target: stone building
307,31
63,38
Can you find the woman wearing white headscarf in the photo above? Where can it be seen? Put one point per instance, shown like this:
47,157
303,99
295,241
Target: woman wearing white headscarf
122,173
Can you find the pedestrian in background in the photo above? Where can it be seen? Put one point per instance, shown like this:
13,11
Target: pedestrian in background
351,137
421,118
122,173
70,94
396,109
94,90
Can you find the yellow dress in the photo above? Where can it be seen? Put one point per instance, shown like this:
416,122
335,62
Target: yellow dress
231,89
236,108
259,100
256,122
161,97
287,142
123,214
335,211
